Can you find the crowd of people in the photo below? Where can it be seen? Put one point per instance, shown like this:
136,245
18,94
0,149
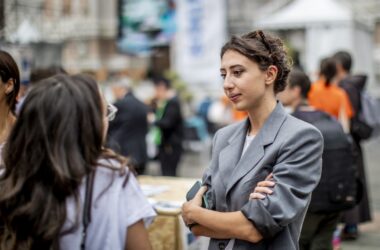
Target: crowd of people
282,177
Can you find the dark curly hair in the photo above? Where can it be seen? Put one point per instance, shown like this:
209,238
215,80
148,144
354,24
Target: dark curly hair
265,50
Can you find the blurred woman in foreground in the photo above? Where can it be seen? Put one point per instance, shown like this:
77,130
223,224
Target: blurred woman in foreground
61,189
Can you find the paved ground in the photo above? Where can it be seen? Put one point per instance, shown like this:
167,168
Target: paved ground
194,163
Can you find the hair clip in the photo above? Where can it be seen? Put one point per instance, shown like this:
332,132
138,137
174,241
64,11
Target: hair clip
264,41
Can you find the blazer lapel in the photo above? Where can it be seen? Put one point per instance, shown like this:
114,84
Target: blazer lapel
230,155
256,149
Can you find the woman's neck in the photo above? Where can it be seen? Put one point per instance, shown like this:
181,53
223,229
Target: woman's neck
258,115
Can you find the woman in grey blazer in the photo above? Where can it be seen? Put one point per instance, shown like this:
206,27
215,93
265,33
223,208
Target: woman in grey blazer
255,67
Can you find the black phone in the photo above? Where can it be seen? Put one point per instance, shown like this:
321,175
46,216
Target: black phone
193,191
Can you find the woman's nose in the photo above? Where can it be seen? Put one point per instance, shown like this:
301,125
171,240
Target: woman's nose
227,83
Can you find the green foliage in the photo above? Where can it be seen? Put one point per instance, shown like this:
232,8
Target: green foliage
179,85
292,52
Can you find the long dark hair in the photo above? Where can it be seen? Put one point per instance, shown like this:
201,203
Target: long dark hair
56,141
328,70
9,70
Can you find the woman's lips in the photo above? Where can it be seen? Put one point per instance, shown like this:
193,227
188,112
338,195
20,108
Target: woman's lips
234,97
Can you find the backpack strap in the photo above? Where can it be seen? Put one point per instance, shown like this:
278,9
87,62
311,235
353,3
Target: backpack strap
86,214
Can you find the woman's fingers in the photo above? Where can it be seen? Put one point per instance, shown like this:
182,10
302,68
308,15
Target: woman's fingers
187,221
270,176
260,193
202,190
258,196
266,184
263,190
185,212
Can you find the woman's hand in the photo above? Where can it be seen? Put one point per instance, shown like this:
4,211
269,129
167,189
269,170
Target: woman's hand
189,207
263,188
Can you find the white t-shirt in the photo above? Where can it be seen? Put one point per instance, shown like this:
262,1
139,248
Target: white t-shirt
248,140
114,209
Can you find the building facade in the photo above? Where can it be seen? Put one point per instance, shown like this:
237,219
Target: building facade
79,35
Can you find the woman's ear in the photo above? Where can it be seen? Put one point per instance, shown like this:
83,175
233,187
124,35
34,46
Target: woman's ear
271,74
9,86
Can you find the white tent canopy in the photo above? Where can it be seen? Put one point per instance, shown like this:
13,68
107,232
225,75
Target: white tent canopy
26,33
302,13
328,27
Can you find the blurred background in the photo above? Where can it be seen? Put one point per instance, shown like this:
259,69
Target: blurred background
132,40
135,38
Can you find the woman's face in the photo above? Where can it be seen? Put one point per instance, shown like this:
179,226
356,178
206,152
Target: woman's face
161,92
5,87
244,83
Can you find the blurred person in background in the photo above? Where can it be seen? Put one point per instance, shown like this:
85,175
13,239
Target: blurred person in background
168,123
61,189
325,94
354,85
203,110
338,167
9,88
255,68
127,132
237,115
220,113
36,75
223,113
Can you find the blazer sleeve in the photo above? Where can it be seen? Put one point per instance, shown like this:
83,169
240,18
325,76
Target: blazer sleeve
297,172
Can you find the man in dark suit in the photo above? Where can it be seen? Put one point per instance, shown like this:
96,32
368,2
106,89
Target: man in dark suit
168,119
128,130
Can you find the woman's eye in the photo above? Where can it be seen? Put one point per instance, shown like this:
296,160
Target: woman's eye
223,76
237,73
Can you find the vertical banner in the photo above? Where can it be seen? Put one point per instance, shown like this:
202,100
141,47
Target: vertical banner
201,32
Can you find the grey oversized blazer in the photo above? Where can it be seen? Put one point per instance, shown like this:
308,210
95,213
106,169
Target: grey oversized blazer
286,146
